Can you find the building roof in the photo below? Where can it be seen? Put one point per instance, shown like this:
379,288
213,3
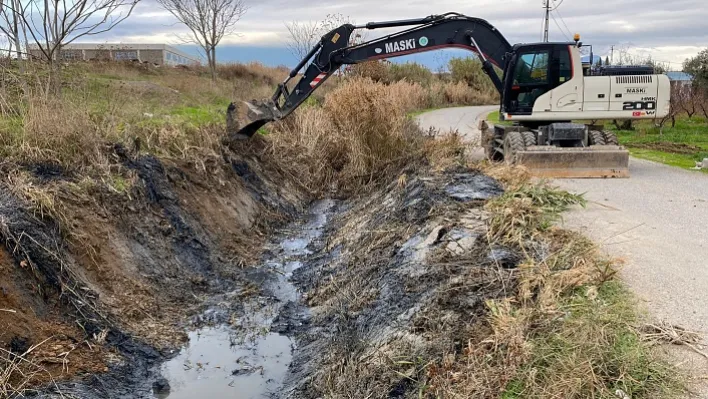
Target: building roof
679,76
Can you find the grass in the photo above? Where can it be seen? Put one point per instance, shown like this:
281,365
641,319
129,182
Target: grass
566,329
417,113
493,118
595,346
530,208
681,146
201,116
173,113
678,160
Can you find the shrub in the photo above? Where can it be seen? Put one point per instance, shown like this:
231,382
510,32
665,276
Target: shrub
360,136
411,72
408,96
253,71
374,70
442,94
469,70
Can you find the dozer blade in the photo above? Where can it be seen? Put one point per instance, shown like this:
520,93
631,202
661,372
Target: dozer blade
594,161
244,118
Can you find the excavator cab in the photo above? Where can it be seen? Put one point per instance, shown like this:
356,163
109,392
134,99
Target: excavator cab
531,71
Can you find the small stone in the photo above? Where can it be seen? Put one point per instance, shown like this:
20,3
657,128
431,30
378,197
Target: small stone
466,243
434,236
161,386
704,164
454,248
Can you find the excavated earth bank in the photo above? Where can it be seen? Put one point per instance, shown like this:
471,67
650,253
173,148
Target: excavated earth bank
102,285
229,282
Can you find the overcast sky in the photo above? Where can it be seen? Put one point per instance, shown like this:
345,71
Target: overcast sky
668,30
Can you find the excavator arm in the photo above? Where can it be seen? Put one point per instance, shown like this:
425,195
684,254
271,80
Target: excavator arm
451,30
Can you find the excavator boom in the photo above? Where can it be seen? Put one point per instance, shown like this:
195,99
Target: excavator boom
451,30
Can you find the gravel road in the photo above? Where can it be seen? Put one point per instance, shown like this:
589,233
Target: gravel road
656,221
462,119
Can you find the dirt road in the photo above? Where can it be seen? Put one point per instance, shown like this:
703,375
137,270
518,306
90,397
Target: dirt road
656,221
462,119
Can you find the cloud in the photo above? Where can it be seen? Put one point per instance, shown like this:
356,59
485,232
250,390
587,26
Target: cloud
668,30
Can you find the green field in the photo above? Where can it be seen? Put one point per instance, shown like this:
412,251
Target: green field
681,146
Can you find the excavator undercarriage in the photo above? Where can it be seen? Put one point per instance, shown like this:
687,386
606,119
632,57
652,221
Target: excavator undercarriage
543,87
560,150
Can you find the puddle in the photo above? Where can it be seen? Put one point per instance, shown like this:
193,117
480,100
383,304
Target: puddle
249,357
215,366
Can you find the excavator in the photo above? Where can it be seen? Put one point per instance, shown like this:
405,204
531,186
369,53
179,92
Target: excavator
544,89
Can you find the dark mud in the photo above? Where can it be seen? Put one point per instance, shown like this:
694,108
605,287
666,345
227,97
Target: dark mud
345,300
157,241
248,353
379,299
273,345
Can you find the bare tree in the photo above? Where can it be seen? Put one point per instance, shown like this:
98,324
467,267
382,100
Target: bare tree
702,99
303,37
674,107
52,24
208,20
688,96
10,25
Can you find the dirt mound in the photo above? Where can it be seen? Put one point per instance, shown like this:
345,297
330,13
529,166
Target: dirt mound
674,148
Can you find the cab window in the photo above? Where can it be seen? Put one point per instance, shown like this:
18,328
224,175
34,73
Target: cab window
532,68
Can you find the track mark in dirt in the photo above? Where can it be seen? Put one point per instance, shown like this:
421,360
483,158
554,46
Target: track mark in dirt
248,352
674,148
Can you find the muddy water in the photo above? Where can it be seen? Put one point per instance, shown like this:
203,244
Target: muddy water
248,356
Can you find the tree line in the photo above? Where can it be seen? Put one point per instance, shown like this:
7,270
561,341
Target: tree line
690,97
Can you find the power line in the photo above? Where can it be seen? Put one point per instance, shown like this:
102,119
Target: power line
558,5
559,28
562,20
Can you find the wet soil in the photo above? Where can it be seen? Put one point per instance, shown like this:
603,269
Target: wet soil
384,298
673,148
248,354
190,286
98,289
332,290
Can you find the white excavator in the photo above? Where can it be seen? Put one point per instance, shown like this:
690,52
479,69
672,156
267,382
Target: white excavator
544,88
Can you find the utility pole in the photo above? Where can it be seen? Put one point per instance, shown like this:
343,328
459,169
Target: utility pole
545,27
612,54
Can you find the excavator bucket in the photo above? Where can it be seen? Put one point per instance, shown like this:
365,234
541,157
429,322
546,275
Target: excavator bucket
245,118
601,161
